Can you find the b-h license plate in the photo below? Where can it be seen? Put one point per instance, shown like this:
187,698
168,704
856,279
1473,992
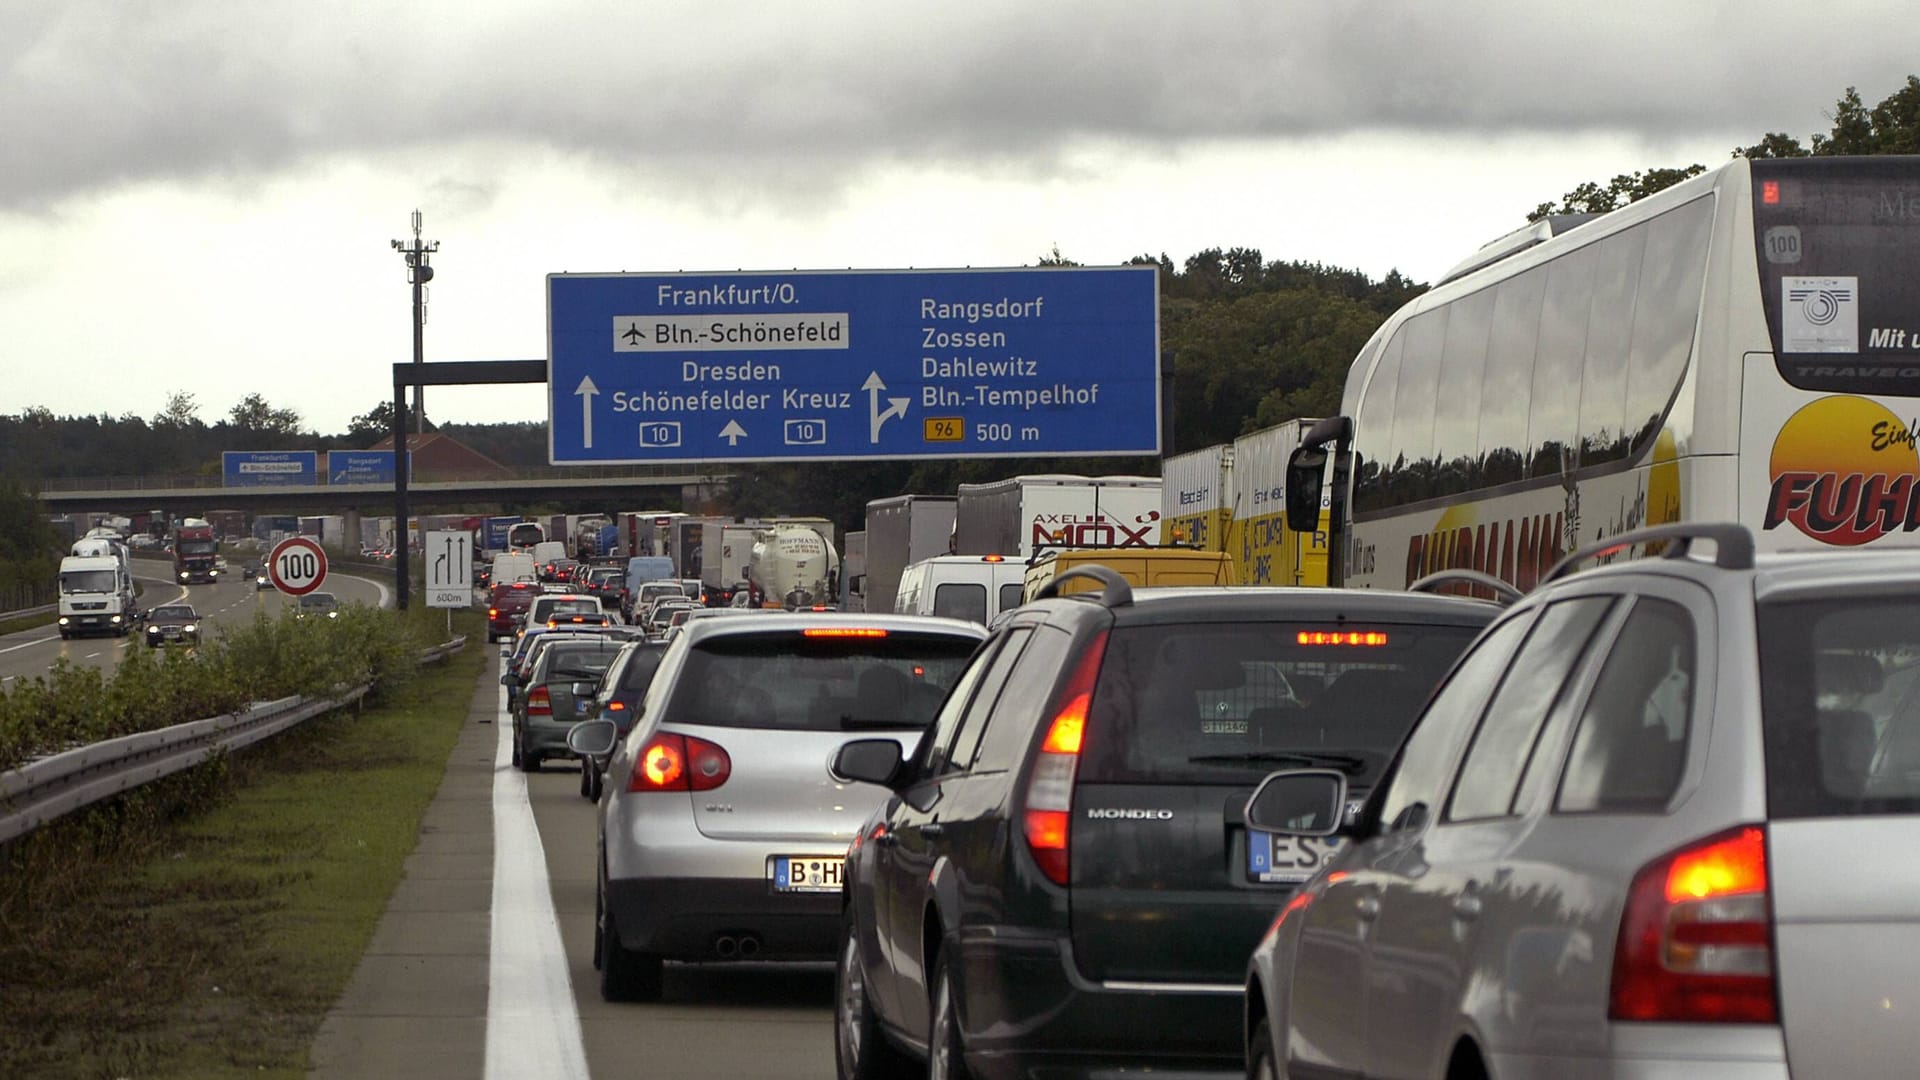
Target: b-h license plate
806,873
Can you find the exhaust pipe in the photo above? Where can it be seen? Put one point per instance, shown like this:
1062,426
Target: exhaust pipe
726,947
749,947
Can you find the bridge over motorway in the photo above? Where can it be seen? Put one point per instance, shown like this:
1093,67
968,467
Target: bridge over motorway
637,485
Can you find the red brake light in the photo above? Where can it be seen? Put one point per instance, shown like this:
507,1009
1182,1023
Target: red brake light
1770,192
1695,940
843,632
538,703
993,558
616,706
1046,819
680,763
1341,637
493,613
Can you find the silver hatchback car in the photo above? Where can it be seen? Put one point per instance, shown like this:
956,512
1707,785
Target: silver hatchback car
1660,821
722,835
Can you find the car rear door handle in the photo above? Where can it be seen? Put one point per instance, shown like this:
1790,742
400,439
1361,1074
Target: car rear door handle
933,828
1367,907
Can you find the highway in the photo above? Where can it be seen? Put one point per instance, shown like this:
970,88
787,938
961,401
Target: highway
32,652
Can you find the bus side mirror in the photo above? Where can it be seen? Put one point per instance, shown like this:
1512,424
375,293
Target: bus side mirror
1306,473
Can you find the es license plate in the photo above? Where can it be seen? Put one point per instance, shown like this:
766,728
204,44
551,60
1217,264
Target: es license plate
806,874
1273,858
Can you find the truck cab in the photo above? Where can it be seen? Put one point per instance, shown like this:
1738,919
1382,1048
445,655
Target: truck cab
96,596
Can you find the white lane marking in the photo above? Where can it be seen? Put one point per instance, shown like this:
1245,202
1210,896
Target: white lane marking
91,655
30,644
533,1024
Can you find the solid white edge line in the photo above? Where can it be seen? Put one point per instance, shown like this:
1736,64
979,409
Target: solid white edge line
533,1024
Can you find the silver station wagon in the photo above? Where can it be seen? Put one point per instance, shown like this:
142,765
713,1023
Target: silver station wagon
1661,820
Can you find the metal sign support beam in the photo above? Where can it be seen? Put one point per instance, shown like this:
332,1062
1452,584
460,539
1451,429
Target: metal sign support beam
443,373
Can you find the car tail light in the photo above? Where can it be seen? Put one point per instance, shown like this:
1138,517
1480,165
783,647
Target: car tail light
679,763
843,632
1696,938
538,702
493,613
1049,802
616,706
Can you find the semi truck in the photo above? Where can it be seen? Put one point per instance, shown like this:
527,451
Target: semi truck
793,566
195,552
853,571
1024,515
901,531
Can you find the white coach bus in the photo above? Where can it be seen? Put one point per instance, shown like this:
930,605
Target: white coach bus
1743,346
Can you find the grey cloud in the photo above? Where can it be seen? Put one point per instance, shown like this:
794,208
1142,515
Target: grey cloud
765,96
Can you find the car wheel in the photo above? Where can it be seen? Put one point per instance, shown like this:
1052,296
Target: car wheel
516,753
861,1051
586,780
529,761
599,783
944,1058
1260,1060
625,975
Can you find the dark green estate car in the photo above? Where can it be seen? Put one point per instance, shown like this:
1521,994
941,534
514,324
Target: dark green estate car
1064,882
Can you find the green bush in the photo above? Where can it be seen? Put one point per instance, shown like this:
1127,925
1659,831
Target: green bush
266,659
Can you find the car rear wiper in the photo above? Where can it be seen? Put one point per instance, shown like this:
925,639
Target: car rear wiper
1344,762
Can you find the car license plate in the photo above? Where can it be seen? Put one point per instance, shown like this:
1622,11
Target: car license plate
1286,859
806,874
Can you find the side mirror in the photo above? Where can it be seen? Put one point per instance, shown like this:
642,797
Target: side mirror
1300,802
592,738
1306,473
510,680
867,761
506,654
583,690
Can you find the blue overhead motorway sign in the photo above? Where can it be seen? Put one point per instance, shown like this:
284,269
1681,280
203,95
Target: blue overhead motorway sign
270,468
835,365
360,467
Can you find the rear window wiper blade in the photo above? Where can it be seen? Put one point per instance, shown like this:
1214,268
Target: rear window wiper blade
1344,762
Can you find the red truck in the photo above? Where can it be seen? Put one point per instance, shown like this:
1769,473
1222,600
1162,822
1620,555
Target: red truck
194,553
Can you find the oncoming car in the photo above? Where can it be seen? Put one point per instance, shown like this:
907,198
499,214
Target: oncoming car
171,624
722,836
317,604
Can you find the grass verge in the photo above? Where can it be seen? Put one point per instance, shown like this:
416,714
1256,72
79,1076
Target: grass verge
201,927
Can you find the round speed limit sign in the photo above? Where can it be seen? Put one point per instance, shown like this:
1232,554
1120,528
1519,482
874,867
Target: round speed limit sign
297,566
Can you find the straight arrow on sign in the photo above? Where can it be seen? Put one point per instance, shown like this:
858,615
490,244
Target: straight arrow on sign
733,433
586,390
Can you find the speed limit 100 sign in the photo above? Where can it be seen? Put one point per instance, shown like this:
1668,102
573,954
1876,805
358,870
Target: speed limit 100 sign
297,566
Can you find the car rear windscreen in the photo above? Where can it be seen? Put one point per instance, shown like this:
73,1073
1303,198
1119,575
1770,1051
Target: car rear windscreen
1840,703
798,683
579,660
1229,703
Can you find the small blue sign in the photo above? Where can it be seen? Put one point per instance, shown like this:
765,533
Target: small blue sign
361,467
829,366
270,468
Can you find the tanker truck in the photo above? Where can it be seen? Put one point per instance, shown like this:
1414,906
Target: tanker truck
793,566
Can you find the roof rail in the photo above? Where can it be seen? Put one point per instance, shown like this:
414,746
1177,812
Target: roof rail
1118,593
1733,542
1503,592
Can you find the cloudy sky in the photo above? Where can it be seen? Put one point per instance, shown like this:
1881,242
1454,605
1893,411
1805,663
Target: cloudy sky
199,196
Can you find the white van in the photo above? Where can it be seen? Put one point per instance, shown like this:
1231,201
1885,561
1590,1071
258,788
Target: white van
971,587
512,566
548,551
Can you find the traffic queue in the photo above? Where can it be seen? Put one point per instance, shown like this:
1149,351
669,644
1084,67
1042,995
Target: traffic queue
1212,829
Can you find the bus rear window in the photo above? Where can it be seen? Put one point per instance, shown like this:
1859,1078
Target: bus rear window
1837,240
1840,704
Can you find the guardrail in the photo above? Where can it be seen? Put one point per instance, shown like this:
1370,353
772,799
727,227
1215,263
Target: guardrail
43,790
28,613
